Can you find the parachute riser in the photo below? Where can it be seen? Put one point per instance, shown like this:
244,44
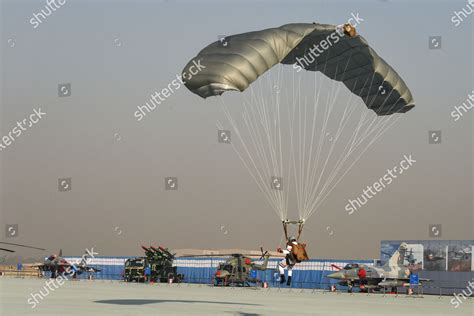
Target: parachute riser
300,224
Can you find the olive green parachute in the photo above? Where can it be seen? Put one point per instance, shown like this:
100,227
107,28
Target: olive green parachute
337,51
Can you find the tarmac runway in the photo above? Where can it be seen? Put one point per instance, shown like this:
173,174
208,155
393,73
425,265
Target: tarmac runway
119,298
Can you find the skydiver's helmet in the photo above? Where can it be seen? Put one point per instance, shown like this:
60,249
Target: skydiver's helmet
292,239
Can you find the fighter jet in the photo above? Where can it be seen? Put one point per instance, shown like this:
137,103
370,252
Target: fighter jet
57,265
392,274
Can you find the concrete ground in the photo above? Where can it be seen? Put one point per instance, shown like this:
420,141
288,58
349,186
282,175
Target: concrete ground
119,298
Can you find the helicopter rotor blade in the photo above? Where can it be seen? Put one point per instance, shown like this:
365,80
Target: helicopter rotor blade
204,256
220,255
8,250
20,245
263,253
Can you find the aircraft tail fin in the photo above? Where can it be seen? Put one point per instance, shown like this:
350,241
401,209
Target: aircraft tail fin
83,262
262,266
265,262
60,253
398,257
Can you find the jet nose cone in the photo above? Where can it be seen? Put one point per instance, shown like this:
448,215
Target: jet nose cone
336,275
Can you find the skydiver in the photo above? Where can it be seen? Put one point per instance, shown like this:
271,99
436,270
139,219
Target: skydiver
288,262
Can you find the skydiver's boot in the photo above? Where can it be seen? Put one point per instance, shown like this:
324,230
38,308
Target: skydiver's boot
282,278
289,281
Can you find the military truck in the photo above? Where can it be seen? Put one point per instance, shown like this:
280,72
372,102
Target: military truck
160,262
135,270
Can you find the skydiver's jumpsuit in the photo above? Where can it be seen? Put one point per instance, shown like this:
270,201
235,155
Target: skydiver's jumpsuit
288,262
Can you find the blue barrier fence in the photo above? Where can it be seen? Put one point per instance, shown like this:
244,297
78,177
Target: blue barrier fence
309,274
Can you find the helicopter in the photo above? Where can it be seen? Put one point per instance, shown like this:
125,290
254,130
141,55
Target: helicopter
238,269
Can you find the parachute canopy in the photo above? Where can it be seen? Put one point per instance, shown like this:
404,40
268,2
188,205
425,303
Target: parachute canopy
237,61
298,142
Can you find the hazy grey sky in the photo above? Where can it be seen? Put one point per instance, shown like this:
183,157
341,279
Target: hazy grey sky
116,53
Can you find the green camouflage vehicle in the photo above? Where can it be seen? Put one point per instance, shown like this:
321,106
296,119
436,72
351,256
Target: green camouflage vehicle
160,262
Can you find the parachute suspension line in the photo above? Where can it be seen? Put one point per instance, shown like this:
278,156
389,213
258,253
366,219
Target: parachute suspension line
357,159
268,127
278,102
309,194
383,120
278,127
307,168
285,229
285,197
314,180
379,133
382,125
291,163
291,116
271,126
252,118
291,157
301,144
323,132
345,154
302,127
252,126
254,172
310,178
342,157
336,135
340,163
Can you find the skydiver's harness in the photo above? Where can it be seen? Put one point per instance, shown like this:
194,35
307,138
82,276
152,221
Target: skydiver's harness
298,251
